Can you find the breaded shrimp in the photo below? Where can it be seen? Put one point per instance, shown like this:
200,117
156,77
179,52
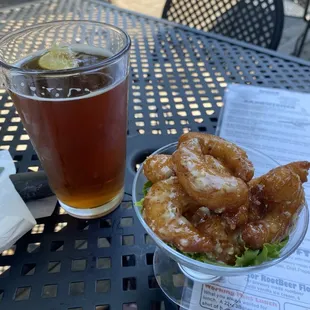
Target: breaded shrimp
257,209
158,167
163,207
301,168
281,193
227,241
237,218
206,180
229,154
214,226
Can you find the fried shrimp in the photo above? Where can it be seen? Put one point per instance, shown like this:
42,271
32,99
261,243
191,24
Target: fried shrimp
301,168
215,226
280,193
233,218
230,155
206,180
227,241
237,218
257,209
163,207
158,167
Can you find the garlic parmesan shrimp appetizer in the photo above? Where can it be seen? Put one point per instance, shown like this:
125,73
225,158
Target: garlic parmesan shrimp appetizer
203,200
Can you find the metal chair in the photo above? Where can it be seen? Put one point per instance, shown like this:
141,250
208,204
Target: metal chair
259,22
302,38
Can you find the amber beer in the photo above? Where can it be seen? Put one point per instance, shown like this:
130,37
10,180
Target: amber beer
81,142
78,126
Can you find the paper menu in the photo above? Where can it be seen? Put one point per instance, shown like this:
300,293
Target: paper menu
276,122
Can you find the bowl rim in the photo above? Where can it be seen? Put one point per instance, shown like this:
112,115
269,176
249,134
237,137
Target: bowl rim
195,264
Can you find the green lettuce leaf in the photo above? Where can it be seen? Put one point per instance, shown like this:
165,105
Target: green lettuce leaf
140,203
256,257
146,188
202,257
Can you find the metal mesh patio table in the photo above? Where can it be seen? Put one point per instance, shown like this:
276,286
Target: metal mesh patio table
177,81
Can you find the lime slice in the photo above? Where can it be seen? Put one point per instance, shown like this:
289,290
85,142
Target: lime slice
58,58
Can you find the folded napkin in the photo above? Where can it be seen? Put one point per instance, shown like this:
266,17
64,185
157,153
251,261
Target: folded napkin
15,217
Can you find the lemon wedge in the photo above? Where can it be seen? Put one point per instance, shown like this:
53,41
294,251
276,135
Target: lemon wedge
58,58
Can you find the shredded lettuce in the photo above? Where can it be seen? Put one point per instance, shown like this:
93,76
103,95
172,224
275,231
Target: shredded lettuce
146,188
202,257
248,258
140,203
256,257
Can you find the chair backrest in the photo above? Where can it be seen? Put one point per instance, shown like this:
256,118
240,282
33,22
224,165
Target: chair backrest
303,3
259,22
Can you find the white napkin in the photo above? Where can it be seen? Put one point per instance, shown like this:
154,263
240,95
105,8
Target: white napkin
15,217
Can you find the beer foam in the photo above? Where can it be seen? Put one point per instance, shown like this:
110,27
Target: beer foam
79,48
61,99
